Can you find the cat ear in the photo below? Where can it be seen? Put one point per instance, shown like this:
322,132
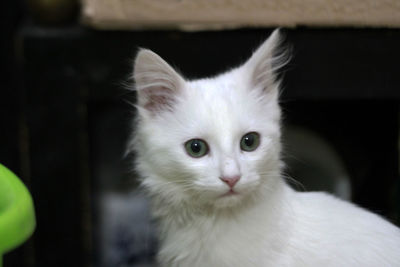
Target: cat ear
156,82
265,61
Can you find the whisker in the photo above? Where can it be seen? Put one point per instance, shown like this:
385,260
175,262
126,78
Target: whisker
294,182
298,185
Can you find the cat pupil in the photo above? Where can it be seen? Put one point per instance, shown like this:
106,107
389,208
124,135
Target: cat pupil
196,146
249,140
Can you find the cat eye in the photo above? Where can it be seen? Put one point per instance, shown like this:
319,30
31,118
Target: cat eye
196,148
250,141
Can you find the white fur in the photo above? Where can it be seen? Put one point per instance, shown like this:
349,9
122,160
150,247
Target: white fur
266,223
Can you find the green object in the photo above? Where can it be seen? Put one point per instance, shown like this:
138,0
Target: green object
17,215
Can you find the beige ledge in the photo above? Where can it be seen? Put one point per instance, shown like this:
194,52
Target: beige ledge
222,14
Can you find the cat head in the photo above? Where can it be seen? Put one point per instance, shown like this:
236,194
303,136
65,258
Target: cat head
212,141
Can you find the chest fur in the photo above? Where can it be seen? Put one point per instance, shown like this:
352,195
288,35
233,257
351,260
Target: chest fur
231,241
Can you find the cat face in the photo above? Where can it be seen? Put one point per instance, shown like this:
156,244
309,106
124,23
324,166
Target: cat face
211,141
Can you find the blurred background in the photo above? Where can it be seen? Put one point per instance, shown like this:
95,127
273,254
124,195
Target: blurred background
65,113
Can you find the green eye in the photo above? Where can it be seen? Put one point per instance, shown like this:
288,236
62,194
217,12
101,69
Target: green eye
250,141
196,148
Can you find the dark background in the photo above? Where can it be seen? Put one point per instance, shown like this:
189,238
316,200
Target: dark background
65,116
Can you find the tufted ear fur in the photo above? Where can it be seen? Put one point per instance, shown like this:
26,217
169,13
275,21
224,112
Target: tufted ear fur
263,64
156,82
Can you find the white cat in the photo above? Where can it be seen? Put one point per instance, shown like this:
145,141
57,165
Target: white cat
208,151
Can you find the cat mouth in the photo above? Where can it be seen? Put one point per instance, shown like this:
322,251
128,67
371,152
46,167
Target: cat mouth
231,192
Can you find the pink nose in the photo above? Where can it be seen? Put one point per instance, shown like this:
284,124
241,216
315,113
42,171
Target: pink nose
230,180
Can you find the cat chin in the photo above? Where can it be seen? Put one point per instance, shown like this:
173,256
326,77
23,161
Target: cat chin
228,201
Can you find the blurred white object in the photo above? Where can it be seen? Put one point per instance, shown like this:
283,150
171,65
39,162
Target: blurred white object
126,234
